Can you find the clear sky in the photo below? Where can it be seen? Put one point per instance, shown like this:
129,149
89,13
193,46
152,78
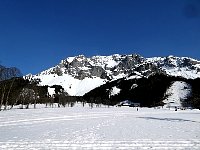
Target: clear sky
37,34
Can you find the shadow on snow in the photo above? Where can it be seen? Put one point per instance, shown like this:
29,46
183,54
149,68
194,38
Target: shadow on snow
169,119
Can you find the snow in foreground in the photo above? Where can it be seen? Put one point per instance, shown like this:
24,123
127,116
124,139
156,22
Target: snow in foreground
99,128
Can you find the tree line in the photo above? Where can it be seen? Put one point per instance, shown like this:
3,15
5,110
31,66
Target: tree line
21,92
149,92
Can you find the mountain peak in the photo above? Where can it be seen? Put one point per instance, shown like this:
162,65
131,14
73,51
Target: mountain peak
101,69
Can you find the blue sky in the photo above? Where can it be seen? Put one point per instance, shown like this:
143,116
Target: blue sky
37,34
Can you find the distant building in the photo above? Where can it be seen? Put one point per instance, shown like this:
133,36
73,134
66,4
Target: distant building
129,103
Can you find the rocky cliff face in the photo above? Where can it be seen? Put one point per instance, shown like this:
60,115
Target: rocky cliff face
178,66
109,68
105,67
7,73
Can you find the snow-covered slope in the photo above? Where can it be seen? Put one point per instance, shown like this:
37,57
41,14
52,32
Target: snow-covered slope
72,85
78,75
178,66
177,93
115,91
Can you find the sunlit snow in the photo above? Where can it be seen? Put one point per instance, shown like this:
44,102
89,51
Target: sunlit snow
115,91
177,93
99,128
71,85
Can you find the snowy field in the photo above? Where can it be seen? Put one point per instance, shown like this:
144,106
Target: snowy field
99,128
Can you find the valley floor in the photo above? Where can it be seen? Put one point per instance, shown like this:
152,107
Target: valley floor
99,128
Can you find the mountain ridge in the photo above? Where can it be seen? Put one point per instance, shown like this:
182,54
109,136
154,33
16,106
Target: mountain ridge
80,74
9,72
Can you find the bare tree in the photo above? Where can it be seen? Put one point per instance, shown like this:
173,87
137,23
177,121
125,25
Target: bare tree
28,96
2,97
63,98
8,94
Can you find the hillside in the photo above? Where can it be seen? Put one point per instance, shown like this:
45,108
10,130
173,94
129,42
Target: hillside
177,93
148,92
108,80
79,75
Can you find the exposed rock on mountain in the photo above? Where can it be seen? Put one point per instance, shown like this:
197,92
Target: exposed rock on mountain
78,75
7,73
178,66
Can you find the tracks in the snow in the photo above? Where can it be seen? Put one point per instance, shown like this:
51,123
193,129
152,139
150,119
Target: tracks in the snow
55,119
193,144
97,130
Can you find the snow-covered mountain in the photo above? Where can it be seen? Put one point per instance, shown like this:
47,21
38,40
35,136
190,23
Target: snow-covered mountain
186,67
78,75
